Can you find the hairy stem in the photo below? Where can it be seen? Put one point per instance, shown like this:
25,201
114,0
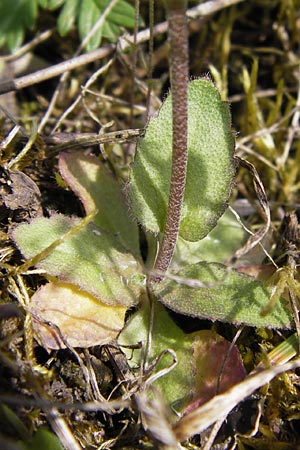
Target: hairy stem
178,38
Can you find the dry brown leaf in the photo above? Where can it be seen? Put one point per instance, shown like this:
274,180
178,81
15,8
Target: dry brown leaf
65,315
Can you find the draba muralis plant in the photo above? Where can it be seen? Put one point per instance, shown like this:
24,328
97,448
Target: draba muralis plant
178,189
94,266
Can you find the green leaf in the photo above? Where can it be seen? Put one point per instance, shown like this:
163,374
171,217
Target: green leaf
122,13
218,246
177,384
14,39
14,21
89,13
210,164
200,372
86,14
67,16
42,439
11,423
92,259
98,190
31,13
51,4
230,297
110,30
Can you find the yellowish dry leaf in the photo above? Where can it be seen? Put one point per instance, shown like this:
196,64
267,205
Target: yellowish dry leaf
64,314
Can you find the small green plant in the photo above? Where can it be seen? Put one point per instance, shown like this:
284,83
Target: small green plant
96,261
177,191
83,14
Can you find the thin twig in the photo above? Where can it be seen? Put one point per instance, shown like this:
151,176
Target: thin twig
89,82
63,141
27,47
56,70
61,429
108,406
210,7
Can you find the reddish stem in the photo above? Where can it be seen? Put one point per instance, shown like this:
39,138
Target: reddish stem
178,38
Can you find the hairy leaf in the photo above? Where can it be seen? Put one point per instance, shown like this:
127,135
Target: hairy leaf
229,296
201,369
98,190
177,385
92,259
218,246
210,164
